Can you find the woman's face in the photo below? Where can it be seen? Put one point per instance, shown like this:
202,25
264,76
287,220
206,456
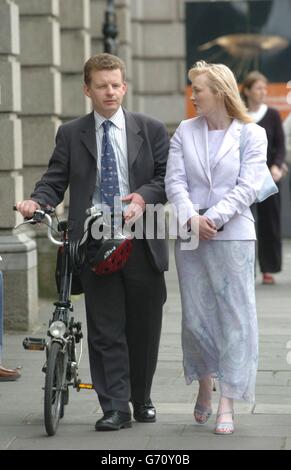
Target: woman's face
203,98
257,93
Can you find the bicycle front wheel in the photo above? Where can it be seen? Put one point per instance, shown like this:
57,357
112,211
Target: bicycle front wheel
54,388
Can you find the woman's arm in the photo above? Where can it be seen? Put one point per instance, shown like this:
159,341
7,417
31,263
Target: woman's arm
250,179
176,181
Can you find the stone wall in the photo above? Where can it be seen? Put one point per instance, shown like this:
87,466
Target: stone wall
18,251
40,83
159,59
75,50
43,46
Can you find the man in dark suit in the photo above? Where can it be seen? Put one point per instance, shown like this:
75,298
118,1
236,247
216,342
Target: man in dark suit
124,309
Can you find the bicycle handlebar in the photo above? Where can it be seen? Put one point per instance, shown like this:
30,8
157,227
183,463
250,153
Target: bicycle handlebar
38,217
41,214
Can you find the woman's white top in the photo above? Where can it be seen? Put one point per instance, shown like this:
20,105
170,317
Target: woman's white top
215,139
258,115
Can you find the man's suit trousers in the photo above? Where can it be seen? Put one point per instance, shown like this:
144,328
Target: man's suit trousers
124,318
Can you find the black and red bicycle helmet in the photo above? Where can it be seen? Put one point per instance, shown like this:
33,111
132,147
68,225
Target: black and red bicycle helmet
111,256
109,253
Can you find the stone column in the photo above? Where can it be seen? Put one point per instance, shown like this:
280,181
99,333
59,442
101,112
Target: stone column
123,11
97,16
76,49
41,109
159,59
17,250
41,84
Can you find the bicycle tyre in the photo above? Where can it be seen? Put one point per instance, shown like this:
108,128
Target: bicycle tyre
54,386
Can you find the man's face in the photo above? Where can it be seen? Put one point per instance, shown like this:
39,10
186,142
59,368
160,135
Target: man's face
106,91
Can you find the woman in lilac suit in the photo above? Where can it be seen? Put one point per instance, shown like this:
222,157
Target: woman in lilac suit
206,168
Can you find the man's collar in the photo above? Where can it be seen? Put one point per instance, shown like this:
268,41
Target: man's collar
117,119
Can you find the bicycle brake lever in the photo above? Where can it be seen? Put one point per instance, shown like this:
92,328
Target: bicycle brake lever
94,211
29,221
37,218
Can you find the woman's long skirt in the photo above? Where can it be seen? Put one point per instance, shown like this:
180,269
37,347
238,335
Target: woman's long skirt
219,321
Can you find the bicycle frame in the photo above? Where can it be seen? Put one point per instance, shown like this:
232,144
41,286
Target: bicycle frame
61,367
64,302
72,333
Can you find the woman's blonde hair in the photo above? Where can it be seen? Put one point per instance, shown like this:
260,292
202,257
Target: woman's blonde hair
222,82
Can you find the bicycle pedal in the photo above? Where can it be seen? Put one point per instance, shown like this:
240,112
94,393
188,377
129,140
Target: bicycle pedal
84,386
34,344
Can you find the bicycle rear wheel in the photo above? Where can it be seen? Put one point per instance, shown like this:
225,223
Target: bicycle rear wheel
54,388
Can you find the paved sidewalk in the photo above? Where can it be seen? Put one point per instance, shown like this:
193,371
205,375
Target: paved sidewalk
266,425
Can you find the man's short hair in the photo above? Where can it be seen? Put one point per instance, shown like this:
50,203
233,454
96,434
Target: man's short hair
103,61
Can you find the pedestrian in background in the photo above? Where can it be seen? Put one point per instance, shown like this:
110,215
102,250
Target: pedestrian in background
254,92
287,132
6,375
219,322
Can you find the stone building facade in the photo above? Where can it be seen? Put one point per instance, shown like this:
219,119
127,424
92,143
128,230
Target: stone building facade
43,46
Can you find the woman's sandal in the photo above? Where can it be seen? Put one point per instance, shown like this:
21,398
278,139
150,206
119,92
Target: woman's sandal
202,413
226,428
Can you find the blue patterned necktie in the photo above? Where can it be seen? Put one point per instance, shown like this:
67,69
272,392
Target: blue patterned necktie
109,175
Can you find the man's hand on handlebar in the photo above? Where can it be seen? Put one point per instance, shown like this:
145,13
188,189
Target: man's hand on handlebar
27,208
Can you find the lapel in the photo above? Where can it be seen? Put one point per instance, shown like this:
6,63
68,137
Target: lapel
88,135
201,144
134,139
232,136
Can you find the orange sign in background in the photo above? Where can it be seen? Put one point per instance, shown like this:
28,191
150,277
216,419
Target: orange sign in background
277,98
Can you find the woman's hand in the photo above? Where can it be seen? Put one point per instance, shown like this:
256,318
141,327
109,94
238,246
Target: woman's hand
207,228
135,209
276,173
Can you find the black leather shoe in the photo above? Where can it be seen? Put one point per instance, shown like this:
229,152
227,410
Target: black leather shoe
113,421
144,412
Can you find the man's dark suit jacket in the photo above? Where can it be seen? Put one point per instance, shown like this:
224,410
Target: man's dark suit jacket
74,164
